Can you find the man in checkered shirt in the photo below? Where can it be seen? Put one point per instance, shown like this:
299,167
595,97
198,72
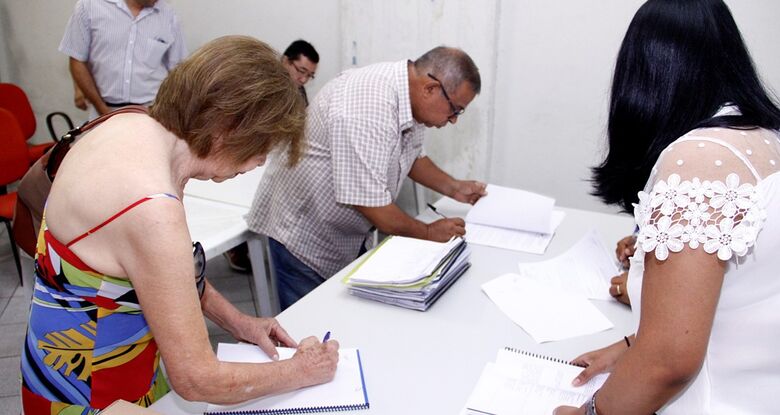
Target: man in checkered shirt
364,135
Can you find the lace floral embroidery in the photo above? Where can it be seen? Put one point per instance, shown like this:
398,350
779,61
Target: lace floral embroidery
721,217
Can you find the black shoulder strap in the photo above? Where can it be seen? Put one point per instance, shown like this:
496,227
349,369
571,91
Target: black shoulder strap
58,152
72,134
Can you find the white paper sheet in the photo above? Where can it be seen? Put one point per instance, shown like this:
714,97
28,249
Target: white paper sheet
531,242
544,313
346,388
585,269
504,207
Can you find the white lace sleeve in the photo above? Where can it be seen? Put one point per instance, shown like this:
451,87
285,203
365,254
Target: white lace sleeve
702,194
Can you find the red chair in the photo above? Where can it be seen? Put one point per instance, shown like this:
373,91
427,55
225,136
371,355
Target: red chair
13,99
15,162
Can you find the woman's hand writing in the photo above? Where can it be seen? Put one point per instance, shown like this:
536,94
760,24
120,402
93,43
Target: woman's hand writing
317,361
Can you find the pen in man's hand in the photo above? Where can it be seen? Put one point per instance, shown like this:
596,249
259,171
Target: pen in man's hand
433,208
326,338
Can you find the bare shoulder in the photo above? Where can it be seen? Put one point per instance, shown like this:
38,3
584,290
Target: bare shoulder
115,164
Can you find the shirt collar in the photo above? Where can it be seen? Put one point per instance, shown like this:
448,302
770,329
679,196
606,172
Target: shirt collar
405,119
123,5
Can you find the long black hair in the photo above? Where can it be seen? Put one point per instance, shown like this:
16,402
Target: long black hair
679,62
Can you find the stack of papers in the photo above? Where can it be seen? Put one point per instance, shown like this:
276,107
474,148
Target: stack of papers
407,272
513,219
522,382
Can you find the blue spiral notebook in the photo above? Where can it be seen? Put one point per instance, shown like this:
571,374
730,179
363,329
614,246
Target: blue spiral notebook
346,392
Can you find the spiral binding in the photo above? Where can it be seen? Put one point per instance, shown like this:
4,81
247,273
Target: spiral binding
538,356
292,411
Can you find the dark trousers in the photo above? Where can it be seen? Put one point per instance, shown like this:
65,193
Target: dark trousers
294,279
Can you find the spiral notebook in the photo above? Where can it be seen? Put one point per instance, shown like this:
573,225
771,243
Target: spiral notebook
535,383
346,392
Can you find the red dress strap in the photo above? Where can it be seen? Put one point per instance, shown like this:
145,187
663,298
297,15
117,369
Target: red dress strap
118,214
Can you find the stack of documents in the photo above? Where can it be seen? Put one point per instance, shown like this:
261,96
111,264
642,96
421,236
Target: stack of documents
407,272
527,383
513,219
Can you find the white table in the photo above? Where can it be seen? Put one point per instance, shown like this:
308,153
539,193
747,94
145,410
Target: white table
215,217
428,362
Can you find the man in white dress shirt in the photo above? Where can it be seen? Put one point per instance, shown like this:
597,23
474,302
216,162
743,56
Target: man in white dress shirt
121,50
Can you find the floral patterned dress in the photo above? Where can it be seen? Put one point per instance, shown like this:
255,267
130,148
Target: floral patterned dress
87,342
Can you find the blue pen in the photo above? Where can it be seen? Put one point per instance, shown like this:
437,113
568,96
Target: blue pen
326,338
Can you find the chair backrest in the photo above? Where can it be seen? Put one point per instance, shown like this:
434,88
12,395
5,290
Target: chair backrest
13,99
13,149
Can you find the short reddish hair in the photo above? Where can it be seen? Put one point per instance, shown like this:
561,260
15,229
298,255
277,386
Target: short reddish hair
233,88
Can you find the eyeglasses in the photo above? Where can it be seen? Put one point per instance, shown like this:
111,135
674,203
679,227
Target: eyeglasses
302,71
456,112
199,259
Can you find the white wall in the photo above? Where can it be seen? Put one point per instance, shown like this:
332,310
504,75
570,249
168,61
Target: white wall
539,123
277,23
554,69
381,30
555,62
32,30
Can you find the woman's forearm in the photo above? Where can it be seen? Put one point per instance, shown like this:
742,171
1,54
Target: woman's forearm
226,382
219,310
641,382
230,383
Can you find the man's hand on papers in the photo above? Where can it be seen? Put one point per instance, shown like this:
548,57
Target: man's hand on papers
266,333
317,361
468,191
444,229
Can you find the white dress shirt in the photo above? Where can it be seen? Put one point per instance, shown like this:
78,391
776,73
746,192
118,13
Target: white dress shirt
127,56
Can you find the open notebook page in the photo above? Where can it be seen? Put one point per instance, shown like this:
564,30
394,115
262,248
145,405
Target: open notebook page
523,384
347,388
504,207
523,241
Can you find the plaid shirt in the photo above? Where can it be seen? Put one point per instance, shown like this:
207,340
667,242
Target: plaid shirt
361,144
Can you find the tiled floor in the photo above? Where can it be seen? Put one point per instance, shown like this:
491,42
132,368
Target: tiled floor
15,303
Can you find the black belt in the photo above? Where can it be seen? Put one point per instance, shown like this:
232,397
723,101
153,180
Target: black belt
121,104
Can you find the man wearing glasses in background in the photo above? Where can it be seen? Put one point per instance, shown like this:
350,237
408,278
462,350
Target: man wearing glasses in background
364,134
301,59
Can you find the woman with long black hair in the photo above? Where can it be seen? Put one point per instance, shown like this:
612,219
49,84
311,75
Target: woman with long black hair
694,152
